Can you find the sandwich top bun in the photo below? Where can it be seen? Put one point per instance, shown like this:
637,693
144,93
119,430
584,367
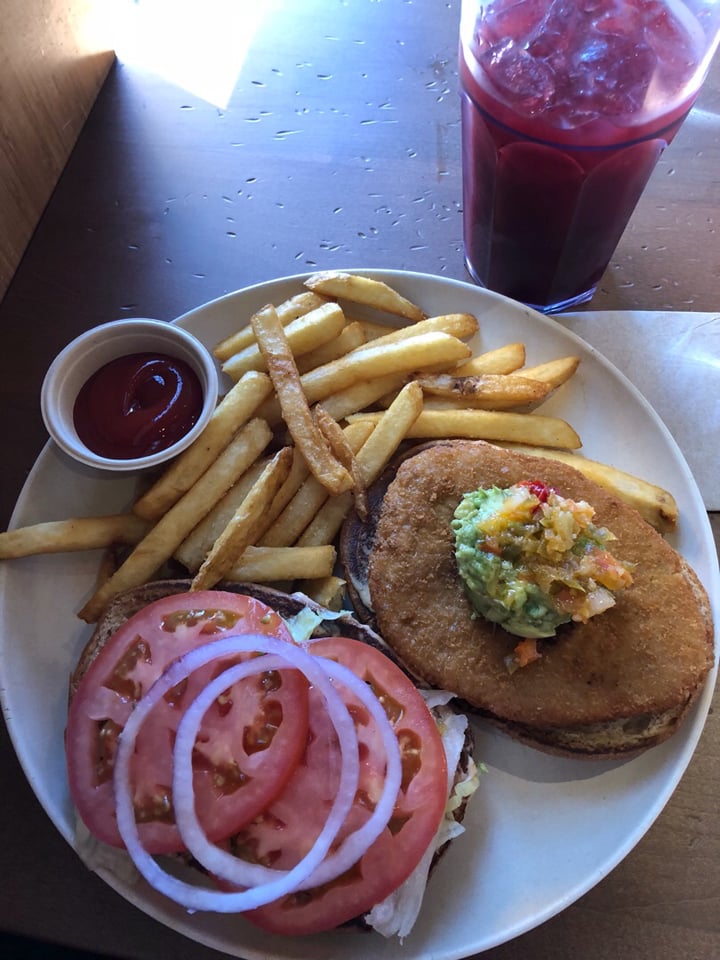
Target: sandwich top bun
613,686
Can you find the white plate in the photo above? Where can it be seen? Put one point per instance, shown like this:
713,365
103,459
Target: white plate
541,831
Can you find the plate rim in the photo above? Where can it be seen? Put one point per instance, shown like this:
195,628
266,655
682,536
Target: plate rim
701,707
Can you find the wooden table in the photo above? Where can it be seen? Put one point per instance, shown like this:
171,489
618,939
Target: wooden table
339,146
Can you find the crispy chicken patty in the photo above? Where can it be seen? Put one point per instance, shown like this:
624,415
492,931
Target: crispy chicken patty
619,682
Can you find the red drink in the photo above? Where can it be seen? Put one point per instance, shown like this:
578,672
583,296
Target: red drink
566,108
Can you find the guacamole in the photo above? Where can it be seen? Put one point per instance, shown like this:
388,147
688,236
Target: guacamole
532,560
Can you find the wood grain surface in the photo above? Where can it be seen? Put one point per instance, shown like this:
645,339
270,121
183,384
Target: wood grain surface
338,145
54,56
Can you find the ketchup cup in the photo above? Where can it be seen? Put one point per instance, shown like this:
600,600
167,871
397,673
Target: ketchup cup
138,413
566,107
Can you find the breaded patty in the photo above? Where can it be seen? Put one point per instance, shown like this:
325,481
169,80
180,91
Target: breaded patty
621,681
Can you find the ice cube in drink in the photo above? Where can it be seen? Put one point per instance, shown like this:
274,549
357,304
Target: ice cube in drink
566,107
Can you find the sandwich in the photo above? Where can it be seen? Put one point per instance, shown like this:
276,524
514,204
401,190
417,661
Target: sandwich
615,673
274,747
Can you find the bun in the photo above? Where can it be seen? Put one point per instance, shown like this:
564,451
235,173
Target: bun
608,688
393,912
126,604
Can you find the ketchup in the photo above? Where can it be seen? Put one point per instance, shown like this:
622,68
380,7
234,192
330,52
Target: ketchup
137,405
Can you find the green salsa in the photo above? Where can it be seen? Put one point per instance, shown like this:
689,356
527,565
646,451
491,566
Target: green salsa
531,560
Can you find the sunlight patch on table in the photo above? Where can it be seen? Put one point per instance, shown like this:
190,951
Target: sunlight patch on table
199,45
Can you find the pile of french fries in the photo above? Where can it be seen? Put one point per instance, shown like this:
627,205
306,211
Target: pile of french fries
320,402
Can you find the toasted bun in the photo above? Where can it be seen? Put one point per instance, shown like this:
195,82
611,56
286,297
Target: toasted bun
612,687
126,604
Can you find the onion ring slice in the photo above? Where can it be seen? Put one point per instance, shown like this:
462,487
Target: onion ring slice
238,872
220,863
356,843
200,898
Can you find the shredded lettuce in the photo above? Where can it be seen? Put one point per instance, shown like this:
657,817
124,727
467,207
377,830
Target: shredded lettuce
436,698
102,858
303,624
396,915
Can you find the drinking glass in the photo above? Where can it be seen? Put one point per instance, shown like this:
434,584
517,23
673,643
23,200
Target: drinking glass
566,107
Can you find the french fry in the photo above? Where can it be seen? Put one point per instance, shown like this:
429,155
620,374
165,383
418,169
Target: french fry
193,550
534,384
107,567
198,543
241,530
350,338
656,505
299,473
325,524
554,373
328,591
360,395
286,529
270,564
460,325
492,425
270,411
290,524
340,446
371,330
306,333
487,391
392,428
162,540
357,289
78,533
288,310
225,509
294,405
380,359
360,378
504,359
234,410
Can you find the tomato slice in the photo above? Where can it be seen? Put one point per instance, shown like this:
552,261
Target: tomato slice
283,833
249,743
